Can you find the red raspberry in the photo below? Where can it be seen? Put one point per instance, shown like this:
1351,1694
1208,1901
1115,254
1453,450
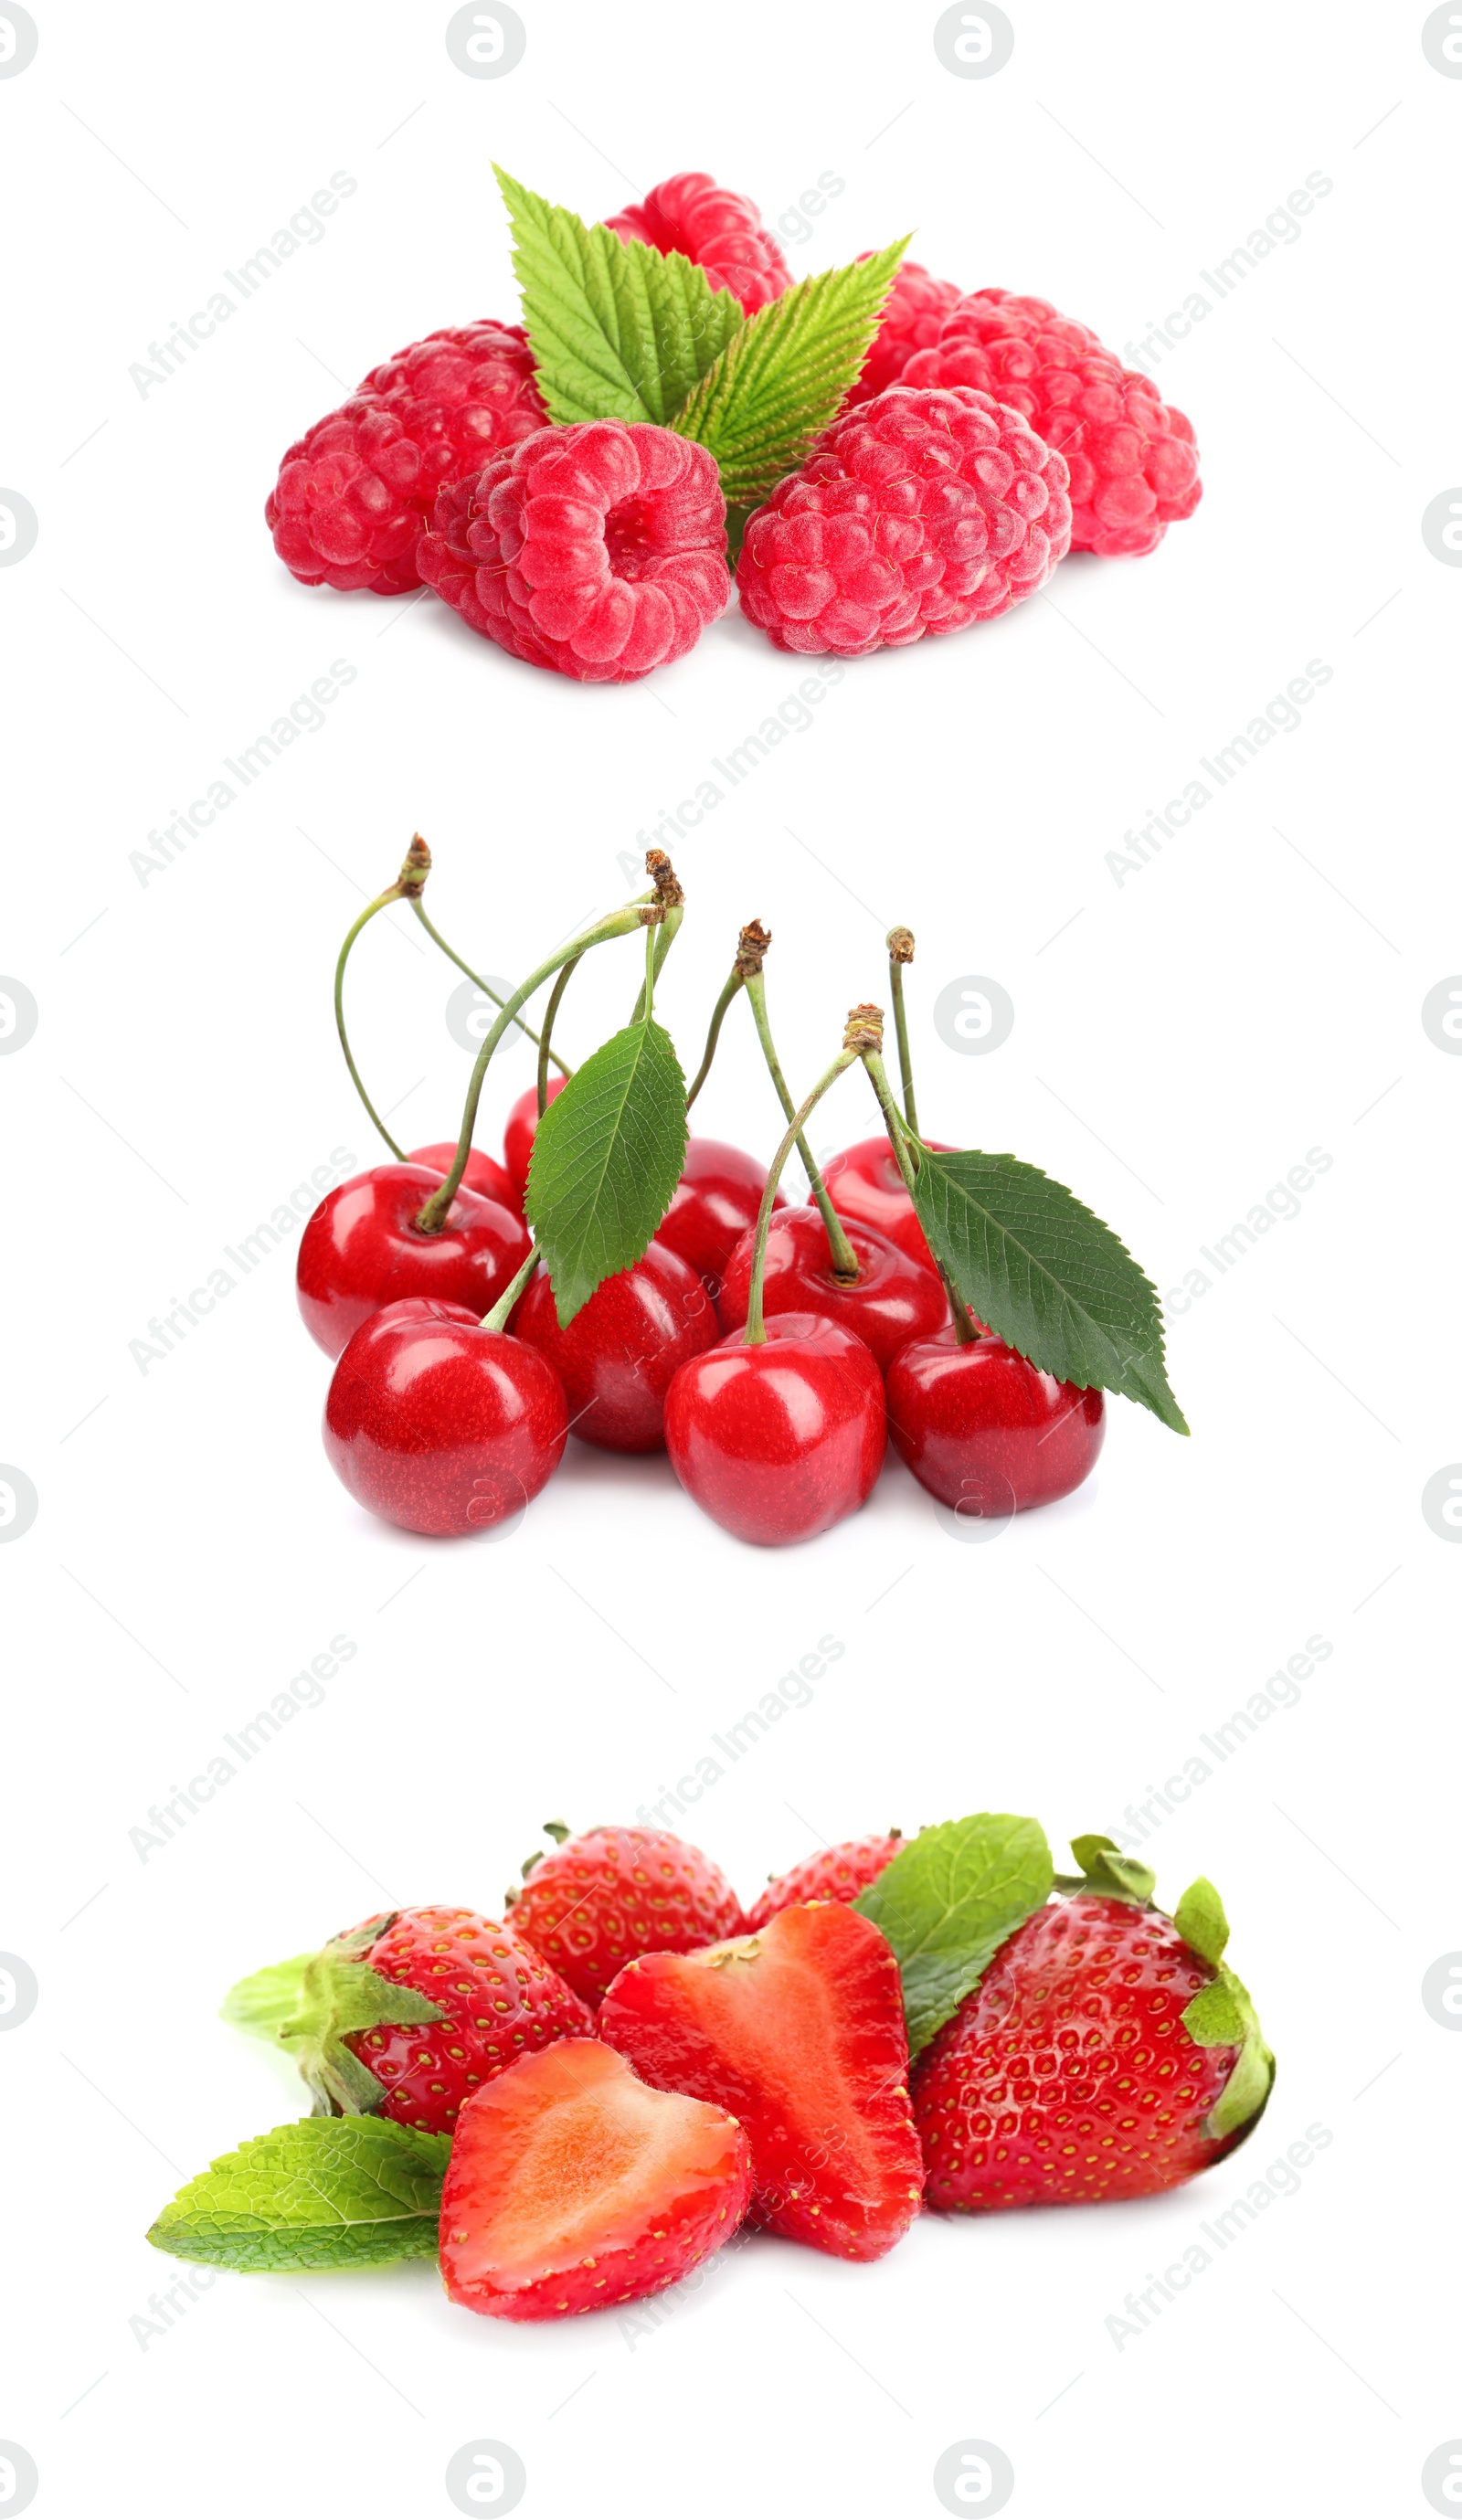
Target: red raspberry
1133,463
721,231
917,511
354,494
917,306
598,550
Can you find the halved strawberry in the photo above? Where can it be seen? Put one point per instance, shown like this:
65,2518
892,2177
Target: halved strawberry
572,2184
798,2031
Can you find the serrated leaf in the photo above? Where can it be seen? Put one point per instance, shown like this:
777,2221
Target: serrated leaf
607,1157
1200,1919
948,1901
782,377
355,2191
617,331
1048,1276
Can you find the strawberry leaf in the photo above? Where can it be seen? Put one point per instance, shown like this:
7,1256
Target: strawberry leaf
780,381
352,2191
948,1901
333,1996
607,1157
1048,1276
617,331
263,2003
1200,1919
1222,2014
1105,1874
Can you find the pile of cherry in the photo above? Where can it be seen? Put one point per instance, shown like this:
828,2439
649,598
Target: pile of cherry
457,1385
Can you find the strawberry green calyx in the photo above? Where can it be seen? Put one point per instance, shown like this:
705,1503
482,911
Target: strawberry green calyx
1223,2014
560,1831
335,1994
1107,1875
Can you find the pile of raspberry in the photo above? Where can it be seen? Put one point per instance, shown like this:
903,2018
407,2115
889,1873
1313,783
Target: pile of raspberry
987,436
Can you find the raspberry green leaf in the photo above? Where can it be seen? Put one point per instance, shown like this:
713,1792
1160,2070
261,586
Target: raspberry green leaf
1050,1279
353,2192
948,1901
617,331
781,378
606,1155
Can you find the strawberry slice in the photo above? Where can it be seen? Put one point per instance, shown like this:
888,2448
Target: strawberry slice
797,2030
572,2185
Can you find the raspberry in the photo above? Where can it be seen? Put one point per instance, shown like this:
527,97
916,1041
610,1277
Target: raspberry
721,231
917,511
916,307
597,550
1133,463
354,494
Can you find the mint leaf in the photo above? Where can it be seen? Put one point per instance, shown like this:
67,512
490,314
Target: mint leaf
947,1902
263,2003
617,331
355,2191
1050,1279
781,378
607,1157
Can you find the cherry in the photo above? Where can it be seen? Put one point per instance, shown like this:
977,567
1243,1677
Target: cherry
482,1175
363,1248
620,1354
984,1430
892,1300
715,1203
868,1189
440,1425
779,1440
522,1128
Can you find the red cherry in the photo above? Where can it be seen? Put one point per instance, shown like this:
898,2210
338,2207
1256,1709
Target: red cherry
621,1352
868,1189
985,1432
363,1248
522,1128
714,1204
779,1441
440,1425
482,1175
895,1299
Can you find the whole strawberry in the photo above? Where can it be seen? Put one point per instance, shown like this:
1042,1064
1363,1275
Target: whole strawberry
916,512
834,1873
409,2014
721,231
1133,463
614,1894
355,493
1106,2053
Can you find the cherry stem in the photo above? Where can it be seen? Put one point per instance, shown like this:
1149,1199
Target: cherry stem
619,923
550,1014
717,1018
393,892
486,987
843,1255
756,1330
898,1138
497,1318
901,951
660,936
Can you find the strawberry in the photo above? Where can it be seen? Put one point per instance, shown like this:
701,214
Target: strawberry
836,1872
409,2014
798,2031
572,2185
606,1897
1105,2053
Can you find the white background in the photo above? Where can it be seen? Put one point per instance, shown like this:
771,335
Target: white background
1182,1038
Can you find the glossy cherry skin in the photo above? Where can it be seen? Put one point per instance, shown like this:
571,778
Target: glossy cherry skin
362,1248
867,1187
522,1128
482,1175
780,1441
440,1425
895,1300
624,1348
987,1433
715,1202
